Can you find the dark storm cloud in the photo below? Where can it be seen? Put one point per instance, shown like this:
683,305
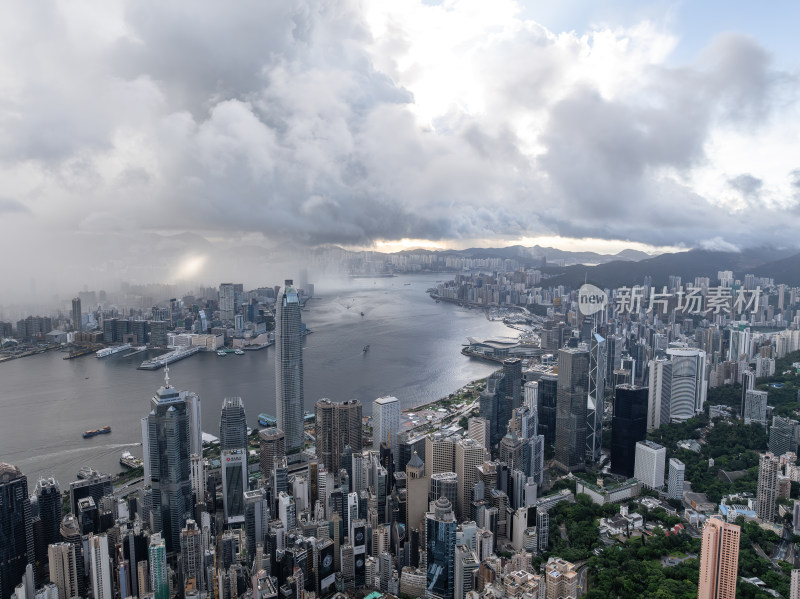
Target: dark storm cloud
273,118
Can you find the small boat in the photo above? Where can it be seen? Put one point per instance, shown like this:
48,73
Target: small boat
362,314
127,460
238,352
86,472
221,352
98,431
366,349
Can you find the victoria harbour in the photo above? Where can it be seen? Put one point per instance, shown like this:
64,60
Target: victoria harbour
47,402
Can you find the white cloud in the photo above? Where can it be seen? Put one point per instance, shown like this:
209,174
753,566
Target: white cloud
353,122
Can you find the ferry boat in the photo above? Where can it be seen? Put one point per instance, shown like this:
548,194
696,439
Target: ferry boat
98,431
86,472
108,351
129,461
267,420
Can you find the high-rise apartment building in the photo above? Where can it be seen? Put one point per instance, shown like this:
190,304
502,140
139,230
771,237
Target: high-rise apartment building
166,447
100,567
337,425
573,387
386,422
440,538
649,464
767,490
562,579
754,409
16,528
659,393
232,424
192,552
677,470
63,568
719,560
289,397
159,575
628,426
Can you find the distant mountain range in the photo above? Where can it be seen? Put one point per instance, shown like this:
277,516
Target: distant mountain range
630,267
537,254
783,265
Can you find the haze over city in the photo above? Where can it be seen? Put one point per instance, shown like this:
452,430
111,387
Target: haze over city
147,143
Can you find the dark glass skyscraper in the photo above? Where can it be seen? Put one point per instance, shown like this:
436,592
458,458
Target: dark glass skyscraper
165,444
548,398
232,424
628,426
441,528
289,368
573,387
16,528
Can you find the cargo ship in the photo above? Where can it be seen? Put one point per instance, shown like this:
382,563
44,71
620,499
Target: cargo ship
98,431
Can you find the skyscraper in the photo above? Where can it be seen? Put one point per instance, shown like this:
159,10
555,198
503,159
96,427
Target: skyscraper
466,564
719,560
677,470
594,399
16,528
226,302
234,483
649,464
469,455
573,387
100,567
337,425
659,393
755,408
688,392
289,398
767,491
440,537
166,446
48,497
548,400
386,422
192,556
232,424
628,426
77,323
272,443
63,568
157,557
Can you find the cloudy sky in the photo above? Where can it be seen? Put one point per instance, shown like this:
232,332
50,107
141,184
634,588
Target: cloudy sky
141,139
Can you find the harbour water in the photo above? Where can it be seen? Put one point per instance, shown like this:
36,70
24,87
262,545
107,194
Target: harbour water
46,403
